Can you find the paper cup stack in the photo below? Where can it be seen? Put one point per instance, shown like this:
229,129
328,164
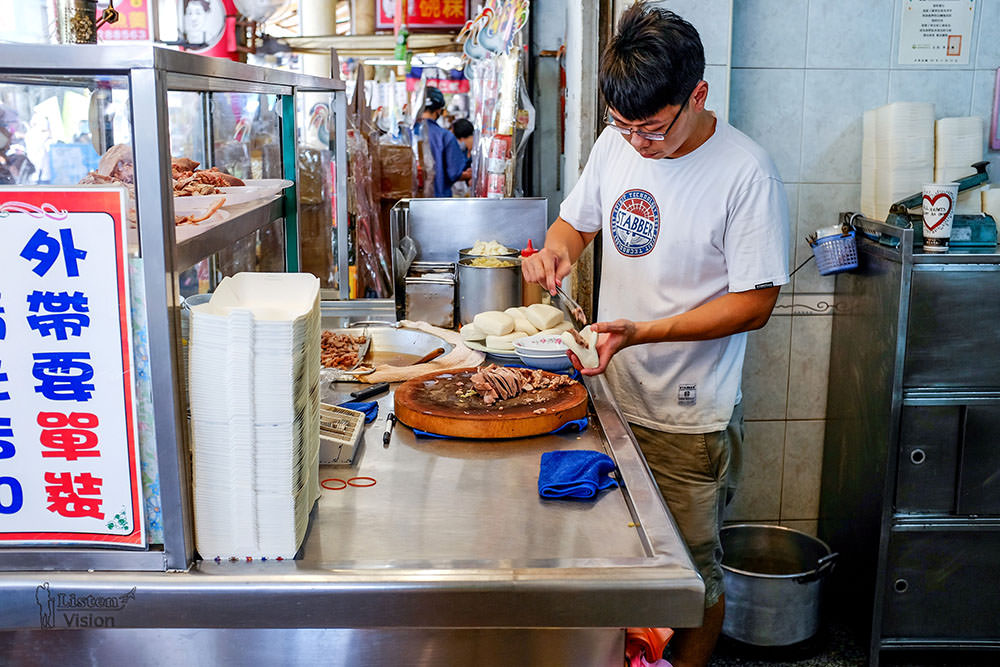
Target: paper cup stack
903,146
958,144
254,394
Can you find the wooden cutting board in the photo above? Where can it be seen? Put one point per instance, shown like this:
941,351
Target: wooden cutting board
445,403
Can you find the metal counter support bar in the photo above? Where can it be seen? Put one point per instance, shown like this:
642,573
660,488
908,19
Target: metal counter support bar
343,225
155,197
289,161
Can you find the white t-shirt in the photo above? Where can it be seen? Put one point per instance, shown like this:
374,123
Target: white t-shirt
678,233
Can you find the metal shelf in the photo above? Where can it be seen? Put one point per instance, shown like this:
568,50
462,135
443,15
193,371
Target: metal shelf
245,220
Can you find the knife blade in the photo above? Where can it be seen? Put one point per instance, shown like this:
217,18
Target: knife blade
576,311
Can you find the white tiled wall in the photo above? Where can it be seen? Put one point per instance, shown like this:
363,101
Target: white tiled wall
803,72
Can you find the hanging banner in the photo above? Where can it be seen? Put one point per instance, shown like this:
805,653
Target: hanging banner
134,22
69,468
446,86
424,14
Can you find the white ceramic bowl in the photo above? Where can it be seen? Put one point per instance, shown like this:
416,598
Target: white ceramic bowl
541,345
548,363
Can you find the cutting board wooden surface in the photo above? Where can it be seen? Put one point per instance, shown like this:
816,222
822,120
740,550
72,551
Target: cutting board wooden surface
445,403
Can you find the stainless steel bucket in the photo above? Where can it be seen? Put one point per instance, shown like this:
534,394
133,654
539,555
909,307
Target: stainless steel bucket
482,288
774,578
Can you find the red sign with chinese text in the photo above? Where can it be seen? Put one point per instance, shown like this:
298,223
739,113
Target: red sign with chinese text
134,23
69,461
446,86
424,13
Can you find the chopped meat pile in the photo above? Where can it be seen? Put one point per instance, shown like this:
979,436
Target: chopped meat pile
498,383
118,167
340,350
189,182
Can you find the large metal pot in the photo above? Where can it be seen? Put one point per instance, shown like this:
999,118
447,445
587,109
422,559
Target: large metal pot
482,288
774,577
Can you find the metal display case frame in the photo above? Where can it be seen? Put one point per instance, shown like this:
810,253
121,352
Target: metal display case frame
151,72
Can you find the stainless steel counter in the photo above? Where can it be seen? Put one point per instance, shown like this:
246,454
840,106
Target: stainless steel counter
452,535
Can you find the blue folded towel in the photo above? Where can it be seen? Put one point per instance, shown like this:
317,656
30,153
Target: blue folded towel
575,474
370,408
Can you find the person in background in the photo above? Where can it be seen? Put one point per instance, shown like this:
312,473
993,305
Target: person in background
449,158
695,246
465,133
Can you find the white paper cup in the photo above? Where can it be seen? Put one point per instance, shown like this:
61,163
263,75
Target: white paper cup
939,212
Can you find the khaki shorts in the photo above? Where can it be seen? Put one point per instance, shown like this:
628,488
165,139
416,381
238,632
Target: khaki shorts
697,475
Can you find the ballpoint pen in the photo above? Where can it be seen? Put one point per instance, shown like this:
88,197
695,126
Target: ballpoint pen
390,421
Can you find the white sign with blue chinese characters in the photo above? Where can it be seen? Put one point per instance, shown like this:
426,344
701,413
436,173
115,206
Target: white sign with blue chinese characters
69,469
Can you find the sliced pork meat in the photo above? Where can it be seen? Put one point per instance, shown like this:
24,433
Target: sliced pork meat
498,383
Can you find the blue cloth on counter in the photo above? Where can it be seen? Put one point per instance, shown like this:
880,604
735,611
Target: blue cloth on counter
572,426
575,474
370,408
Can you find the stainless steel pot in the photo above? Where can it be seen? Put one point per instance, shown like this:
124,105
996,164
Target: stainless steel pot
483,288
466,253
774,577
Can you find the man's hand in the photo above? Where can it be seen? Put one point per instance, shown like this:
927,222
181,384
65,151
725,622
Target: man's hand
547,268
466,175
563,245
612,336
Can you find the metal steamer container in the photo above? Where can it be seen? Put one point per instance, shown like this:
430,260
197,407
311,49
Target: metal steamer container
774,578
482,288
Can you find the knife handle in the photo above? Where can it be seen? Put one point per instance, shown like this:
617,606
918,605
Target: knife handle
368,392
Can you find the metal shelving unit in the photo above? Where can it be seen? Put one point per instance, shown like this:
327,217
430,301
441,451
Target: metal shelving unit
910,457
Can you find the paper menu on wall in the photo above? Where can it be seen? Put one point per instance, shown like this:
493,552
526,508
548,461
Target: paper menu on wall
936,32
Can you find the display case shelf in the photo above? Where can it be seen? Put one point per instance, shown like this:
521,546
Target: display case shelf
194,244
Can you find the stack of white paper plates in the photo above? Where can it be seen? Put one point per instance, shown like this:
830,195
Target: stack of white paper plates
958,144
254,391
904,152
868,204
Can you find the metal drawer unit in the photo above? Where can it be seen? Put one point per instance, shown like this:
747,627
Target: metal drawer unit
911,489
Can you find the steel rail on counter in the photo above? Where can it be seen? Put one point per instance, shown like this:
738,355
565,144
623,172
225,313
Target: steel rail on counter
453,535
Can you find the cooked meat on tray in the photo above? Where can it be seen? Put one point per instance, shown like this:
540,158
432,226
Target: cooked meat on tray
340,350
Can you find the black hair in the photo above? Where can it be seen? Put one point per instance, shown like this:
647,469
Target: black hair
655,59
462,128
205,4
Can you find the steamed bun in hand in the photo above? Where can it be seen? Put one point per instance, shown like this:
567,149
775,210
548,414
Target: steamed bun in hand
587,352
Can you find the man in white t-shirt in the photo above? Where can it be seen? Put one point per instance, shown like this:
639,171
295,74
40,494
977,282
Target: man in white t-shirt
694,249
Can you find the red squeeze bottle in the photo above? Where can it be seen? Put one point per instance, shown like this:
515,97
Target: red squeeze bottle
530,292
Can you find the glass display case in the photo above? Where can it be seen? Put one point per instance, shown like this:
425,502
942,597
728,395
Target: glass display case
228,168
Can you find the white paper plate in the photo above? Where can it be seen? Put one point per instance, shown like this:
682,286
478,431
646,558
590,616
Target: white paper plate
196,205
269,185
244,194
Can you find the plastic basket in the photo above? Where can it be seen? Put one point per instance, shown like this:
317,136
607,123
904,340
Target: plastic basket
835,253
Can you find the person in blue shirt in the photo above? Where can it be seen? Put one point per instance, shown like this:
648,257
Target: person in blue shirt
449,158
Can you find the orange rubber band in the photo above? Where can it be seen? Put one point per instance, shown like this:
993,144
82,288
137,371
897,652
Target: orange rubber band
333,488
351,482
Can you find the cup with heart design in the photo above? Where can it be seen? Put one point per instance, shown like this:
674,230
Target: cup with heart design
939,211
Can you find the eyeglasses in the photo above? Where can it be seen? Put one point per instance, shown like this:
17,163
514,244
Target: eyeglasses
648,136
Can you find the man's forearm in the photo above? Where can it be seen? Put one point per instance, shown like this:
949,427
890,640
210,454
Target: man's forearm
729,314
566,241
